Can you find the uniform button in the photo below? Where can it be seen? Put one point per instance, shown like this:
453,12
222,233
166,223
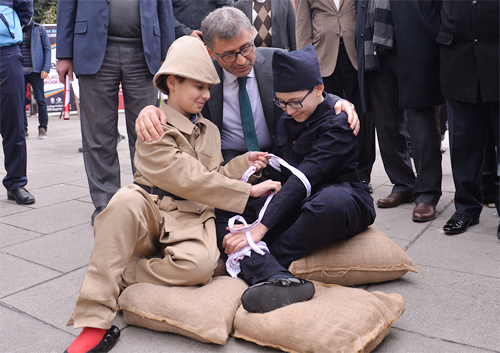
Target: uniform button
363,7
340,15
106,25
198,209
361,35
474,3
293,142
476,41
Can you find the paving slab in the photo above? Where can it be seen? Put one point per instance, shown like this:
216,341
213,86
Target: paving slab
449,305
27,334
14,235
63,251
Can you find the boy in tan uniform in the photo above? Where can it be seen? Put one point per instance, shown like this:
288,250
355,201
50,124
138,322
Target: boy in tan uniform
170,206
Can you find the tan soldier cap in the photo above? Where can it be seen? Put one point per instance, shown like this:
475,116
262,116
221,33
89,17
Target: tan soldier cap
187,57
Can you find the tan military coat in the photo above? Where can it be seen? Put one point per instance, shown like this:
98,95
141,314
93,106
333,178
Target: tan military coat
187,162
319,23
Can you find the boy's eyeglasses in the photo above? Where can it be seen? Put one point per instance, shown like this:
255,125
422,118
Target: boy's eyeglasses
294,105
231,58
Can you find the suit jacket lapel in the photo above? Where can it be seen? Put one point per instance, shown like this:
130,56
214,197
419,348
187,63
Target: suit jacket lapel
216,101
264,77
332,4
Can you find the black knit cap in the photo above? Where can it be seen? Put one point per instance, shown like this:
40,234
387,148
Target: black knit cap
296,71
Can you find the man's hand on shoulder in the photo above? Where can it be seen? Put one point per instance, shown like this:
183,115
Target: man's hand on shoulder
352,116
148,123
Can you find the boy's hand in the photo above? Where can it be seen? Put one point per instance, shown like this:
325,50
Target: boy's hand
265,188
259,160
352,116
234,242
148,123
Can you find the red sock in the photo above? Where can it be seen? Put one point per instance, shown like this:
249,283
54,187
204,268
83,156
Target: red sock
88,339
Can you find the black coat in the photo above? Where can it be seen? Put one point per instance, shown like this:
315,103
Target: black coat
416,26
469,50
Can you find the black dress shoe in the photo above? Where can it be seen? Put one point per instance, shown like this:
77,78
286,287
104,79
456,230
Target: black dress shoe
21,195
107,342
271,295
458,224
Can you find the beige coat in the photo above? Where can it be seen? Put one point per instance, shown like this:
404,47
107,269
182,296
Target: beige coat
187,162
319,23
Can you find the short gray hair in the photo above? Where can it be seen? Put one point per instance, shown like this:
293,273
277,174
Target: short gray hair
224,23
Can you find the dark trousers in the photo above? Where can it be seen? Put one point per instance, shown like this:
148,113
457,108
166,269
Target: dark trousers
316,222
11,116
343,82
36,82
469,124
99,116
422,128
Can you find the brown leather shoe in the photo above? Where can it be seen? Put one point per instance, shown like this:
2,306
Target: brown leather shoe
394,200
424,212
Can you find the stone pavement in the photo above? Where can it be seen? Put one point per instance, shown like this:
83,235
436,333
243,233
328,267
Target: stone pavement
452,304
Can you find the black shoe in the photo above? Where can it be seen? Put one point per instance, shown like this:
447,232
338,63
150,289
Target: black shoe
268,296
21,195
107,342
498,231
458,224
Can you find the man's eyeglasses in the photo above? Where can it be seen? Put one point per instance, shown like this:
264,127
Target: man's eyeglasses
294,105
231,58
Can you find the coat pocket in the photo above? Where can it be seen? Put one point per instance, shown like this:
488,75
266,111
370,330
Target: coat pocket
444,38
81,27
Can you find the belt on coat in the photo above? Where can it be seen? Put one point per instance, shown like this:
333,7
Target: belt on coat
160,192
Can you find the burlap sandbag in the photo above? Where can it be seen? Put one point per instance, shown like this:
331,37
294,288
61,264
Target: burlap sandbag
336,319
369,257
203,313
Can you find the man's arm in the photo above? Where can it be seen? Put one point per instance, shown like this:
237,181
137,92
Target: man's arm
24,10
148,123
66,14
46,49
167,30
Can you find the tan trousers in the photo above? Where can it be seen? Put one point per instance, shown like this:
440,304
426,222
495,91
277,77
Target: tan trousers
133,223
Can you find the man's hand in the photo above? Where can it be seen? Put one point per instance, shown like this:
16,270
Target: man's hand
352,116
44,75
197,34
234,242
265,188
259,160
148,123
64,67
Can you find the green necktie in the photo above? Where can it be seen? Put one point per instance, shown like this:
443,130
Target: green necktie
247,116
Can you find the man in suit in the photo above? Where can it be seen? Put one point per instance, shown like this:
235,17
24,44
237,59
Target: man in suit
398,73
329,26
16,13
107,43
273,22
469,49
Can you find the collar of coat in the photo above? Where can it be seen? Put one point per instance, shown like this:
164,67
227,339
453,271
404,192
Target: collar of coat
182,123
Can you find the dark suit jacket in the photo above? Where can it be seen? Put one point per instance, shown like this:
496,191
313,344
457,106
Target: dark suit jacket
82,31
264,75
416,26
283,22
469,49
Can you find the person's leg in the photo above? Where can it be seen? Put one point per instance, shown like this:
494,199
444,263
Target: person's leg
425,144
26,82
138,90
12,122
490,182
335,212
38,90
467,123
130,224
389,122
99,120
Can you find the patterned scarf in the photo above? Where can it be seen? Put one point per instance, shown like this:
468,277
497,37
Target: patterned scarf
379,32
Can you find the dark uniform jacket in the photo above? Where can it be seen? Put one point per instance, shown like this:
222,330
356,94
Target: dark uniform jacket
469,49
416,26
323,148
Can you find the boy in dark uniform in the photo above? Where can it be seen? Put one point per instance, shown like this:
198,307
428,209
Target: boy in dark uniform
310,137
